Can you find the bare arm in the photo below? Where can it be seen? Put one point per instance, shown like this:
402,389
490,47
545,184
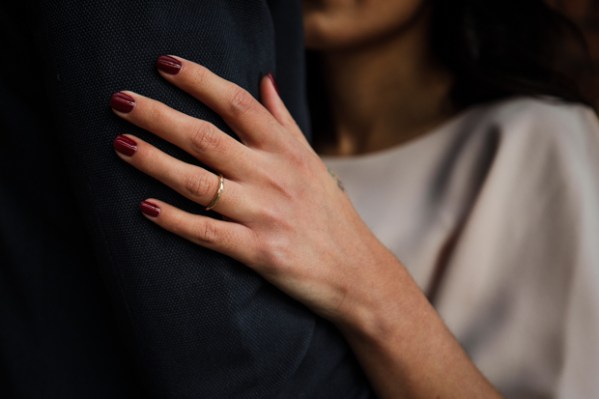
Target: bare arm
405,348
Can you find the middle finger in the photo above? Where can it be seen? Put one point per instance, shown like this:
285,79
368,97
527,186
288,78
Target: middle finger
198,138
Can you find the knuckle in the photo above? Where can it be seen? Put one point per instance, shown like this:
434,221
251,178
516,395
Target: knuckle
299,158
301,163
197,185
200,76
275,254
204,138
241,102
157,112
208,233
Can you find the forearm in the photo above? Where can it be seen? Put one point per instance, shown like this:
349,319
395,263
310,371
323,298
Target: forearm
403,345
298,230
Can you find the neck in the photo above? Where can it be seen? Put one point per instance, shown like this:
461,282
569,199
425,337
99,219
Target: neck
384,94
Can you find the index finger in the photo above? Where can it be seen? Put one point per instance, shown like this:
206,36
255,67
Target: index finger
254,125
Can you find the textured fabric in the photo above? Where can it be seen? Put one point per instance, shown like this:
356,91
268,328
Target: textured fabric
506,196
94,300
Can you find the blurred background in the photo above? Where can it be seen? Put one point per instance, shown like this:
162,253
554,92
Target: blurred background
586,14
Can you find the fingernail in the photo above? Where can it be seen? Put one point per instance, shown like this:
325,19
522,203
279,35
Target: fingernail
168,64
122,102
125,145
274,82
149,208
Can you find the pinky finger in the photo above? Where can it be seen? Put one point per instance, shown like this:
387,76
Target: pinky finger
275,105
229,238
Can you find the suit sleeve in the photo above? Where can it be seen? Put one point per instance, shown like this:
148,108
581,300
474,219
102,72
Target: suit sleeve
193,322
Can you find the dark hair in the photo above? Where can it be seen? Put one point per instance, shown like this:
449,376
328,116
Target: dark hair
502,48
495,49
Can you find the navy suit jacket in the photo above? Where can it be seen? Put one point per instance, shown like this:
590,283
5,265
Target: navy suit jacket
95,301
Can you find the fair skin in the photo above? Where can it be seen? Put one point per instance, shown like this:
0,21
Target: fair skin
285,217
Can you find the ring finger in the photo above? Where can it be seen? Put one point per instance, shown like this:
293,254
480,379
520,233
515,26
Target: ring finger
193,182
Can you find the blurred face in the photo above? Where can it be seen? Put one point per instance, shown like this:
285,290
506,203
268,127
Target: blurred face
338,24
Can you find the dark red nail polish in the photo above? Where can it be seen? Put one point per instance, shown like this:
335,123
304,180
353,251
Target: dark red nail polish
125,145
122,102
168,64
149,208
274,82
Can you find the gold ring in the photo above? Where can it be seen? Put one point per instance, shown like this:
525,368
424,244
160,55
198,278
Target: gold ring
219,193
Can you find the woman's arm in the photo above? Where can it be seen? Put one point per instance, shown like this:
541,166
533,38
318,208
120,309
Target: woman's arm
285,217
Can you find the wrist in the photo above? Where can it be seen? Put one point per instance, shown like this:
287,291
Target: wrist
379,300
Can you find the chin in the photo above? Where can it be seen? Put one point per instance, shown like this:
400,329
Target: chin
320,37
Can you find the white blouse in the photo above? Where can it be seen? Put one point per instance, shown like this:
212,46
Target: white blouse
504,199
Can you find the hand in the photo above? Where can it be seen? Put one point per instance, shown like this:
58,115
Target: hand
284,216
